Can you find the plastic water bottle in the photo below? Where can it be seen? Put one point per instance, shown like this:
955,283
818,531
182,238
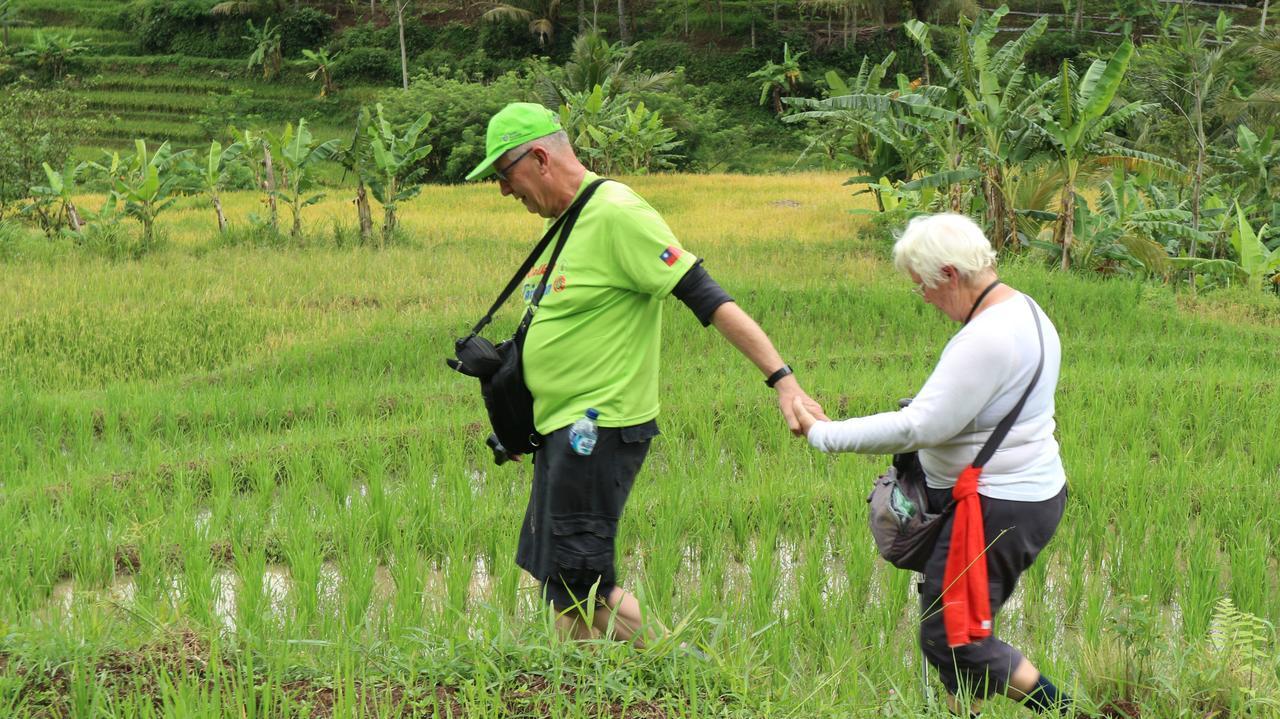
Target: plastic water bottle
583,433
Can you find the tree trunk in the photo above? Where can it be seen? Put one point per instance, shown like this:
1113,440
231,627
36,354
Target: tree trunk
222,219
1262,24
1067,220
404,59
363,211
388,223
1197,179
73,217
269,185
582,16
624,34
995,206
1077,24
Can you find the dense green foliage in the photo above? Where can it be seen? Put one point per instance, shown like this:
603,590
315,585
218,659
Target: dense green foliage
36,126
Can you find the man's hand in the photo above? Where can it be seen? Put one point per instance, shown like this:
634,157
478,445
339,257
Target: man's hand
791,396
805,418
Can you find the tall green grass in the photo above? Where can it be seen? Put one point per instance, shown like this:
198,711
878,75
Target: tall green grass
246,475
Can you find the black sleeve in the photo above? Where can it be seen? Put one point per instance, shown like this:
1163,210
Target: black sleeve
700,293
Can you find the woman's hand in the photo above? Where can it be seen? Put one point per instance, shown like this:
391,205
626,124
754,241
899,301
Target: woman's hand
800,407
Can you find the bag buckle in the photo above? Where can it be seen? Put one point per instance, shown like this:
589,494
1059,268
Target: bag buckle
477,357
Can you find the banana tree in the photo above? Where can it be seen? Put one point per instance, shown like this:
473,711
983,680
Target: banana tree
1079,125
993,100
357,159
49,54
60,190
895,136
320,61
215,174
775,78
299,154
396,155
1254,263
148,183
264,175
266,53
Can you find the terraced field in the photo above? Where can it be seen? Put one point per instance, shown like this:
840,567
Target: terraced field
133,95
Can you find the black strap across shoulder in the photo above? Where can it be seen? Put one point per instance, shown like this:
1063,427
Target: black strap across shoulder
565,221
1002,429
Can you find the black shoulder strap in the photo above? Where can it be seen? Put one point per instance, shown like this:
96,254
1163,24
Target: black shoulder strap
1002,429
566,220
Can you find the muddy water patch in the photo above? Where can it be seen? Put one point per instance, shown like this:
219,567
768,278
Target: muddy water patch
279,592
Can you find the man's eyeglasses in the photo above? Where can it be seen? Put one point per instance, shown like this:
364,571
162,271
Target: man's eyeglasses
502,174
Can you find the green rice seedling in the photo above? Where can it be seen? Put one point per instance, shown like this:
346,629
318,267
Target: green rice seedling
252,601
305,557
356,566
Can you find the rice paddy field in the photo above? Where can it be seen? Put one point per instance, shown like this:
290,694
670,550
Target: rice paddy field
240,481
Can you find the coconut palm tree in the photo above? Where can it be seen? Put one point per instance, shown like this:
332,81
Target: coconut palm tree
542,16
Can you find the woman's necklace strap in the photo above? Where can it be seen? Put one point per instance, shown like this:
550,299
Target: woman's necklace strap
978,302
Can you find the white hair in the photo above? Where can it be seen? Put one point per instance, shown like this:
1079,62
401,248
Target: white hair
932,242
555,142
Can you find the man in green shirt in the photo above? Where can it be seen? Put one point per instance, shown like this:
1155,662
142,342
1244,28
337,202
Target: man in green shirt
594,343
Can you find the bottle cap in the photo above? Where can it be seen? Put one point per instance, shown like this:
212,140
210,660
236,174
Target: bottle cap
592,413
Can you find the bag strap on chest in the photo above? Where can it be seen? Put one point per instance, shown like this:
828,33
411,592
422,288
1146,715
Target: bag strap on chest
565,222
1002,428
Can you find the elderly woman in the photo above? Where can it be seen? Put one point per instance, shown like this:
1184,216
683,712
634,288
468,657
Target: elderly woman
983,372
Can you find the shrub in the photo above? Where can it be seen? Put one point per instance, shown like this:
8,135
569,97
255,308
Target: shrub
160,24
35,126
370,64
460,110
304,28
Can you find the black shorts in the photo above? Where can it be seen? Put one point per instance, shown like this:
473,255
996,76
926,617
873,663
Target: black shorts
567,540
1015,534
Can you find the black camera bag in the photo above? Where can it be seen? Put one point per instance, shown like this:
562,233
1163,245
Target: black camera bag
499,367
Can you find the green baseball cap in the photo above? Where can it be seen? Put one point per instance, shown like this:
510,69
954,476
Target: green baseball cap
512,126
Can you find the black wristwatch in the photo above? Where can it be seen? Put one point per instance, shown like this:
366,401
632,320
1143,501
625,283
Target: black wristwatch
783,371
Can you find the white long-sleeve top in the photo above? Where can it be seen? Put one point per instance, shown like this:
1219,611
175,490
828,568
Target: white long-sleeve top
983,371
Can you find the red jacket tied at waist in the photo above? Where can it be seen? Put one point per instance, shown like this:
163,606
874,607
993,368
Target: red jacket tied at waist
966,600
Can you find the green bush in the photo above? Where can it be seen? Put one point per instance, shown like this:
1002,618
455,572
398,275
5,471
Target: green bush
304,28
160,23
460,111
367,64
36,125
662,55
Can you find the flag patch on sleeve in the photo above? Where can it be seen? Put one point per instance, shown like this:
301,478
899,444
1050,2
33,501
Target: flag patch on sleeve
670,255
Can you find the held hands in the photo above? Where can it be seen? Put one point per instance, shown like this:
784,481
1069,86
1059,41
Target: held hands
805,416
796,406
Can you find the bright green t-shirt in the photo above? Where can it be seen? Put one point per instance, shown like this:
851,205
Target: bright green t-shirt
595,336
